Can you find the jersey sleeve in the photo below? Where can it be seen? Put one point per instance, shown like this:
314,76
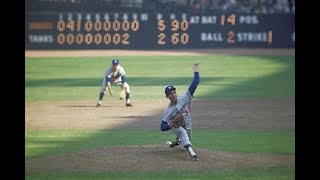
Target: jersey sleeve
166,116
186,97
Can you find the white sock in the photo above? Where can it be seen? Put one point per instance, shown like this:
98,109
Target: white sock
191,151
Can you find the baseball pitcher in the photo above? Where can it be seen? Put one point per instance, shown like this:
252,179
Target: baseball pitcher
117,75
177,115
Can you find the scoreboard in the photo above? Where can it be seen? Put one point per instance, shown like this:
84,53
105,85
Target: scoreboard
104,30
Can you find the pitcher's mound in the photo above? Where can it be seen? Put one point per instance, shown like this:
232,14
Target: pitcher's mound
153,157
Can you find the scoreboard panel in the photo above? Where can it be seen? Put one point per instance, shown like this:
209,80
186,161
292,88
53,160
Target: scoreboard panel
103,30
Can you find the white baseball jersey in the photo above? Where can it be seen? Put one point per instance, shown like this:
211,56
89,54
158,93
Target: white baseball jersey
115,76
183,106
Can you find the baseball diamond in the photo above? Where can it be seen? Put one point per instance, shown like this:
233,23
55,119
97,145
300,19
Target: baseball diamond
267,114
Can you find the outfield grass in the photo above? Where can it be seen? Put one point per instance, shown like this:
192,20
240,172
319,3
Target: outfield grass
220,76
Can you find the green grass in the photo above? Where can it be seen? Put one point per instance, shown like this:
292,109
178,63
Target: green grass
251,141
52,142
279,173
221,76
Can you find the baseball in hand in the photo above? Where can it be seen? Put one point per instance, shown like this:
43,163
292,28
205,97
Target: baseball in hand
196,67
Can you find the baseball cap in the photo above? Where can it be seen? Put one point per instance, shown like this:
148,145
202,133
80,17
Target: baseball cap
115,61
168,89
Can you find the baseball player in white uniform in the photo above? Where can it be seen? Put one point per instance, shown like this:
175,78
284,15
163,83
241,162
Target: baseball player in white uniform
181,106
117,75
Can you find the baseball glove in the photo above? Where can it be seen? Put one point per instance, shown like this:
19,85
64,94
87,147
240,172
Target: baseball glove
177,121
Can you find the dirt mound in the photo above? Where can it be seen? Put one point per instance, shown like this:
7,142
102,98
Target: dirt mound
152,158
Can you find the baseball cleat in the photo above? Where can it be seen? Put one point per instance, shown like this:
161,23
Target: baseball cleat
174,144
98,105
194,158
128,104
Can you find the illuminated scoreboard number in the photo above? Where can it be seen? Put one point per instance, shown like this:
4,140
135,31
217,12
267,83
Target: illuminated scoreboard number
175,36
249,37
233,37
230,19
97,32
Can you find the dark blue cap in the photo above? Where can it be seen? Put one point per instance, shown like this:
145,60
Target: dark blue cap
168,89
115,61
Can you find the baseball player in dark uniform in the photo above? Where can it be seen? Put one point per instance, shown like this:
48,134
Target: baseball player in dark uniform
181,106
117,75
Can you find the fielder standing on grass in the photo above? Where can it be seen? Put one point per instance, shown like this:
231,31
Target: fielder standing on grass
177,115
117,75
